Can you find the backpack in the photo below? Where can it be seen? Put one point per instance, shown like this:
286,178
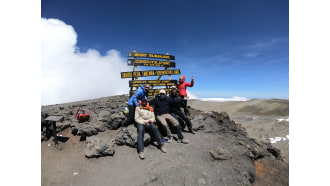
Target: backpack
82,115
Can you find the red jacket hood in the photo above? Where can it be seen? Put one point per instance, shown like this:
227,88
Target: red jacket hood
184,78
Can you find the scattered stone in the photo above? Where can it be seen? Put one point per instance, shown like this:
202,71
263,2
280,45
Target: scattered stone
84,129
127,136
99,126
219,154
198,122
97,147
201,181
276,152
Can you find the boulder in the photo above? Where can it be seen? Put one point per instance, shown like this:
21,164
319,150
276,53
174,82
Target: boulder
117,120
104,116
84,129
198,122
127,136
97,147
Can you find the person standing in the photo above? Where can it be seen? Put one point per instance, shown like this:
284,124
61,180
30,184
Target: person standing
133,104
145,119
161,104
175,110
182,86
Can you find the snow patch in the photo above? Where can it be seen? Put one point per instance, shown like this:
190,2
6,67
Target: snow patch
279,120
277,139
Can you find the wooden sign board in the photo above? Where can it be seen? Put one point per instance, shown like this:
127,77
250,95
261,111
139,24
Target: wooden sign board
153,83
152,63
153,92
149,55
150,73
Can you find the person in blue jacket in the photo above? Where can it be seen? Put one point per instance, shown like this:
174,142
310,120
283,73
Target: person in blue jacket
133,104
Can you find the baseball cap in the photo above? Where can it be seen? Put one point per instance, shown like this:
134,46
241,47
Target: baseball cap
162,91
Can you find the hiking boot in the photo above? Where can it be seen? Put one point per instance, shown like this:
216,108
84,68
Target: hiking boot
191,131
163,149
169,139
184,141
141,155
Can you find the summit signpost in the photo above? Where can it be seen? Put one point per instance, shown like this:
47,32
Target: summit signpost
147,62
150,73
140,59
149,55
137,83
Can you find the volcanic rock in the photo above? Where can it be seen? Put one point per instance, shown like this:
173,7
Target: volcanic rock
198,122
97,147
219,154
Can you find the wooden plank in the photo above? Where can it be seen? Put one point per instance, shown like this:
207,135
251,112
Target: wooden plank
151,63
150,73
137,83
150,55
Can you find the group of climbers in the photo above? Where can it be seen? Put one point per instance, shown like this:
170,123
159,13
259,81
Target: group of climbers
164,111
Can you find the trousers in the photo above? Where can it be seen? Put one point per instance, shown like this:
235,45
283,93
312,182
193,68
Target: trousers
184,117
162,119
154,133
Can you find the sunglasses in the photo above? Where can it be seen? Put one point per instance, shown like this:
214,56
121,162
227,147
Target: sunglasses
148,87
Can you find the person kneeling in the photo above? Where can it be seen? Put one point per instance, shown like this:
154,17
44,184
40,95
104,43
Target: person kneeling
145,118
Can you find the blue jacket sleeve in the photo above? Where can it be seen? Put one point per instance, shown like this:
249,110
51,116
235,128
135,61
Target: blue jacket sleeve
136,95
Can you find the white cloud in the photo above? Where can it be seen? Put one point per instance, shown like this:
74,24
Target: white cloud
191,95
69,75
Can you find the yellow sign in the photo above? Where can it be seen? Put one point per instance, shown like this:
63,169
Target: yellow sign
155,91
148,55
150,73
137,83
147,62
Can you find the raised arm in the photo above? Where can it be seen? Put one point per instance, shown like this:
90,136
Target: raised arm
192,82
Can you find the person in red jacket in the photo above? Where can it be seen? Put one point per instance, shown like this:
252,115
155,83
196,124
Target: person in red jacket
182,86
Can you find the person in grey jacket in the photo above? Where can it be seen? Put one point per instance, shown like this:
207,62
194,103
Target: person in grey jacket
145,118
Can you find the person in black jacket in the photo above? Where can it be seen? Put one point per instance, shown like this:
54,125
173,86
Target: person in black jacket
161,107
175,110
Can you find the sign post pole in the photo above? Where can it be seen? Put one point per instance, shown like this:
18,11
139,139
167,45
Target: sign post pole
134,69
169,76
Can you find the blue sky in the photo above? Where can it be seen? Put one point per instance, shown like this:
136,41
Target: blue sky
232,48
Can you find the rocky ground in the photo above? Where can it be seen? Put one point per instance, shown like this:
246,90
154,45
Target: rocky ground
100,153
263,119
